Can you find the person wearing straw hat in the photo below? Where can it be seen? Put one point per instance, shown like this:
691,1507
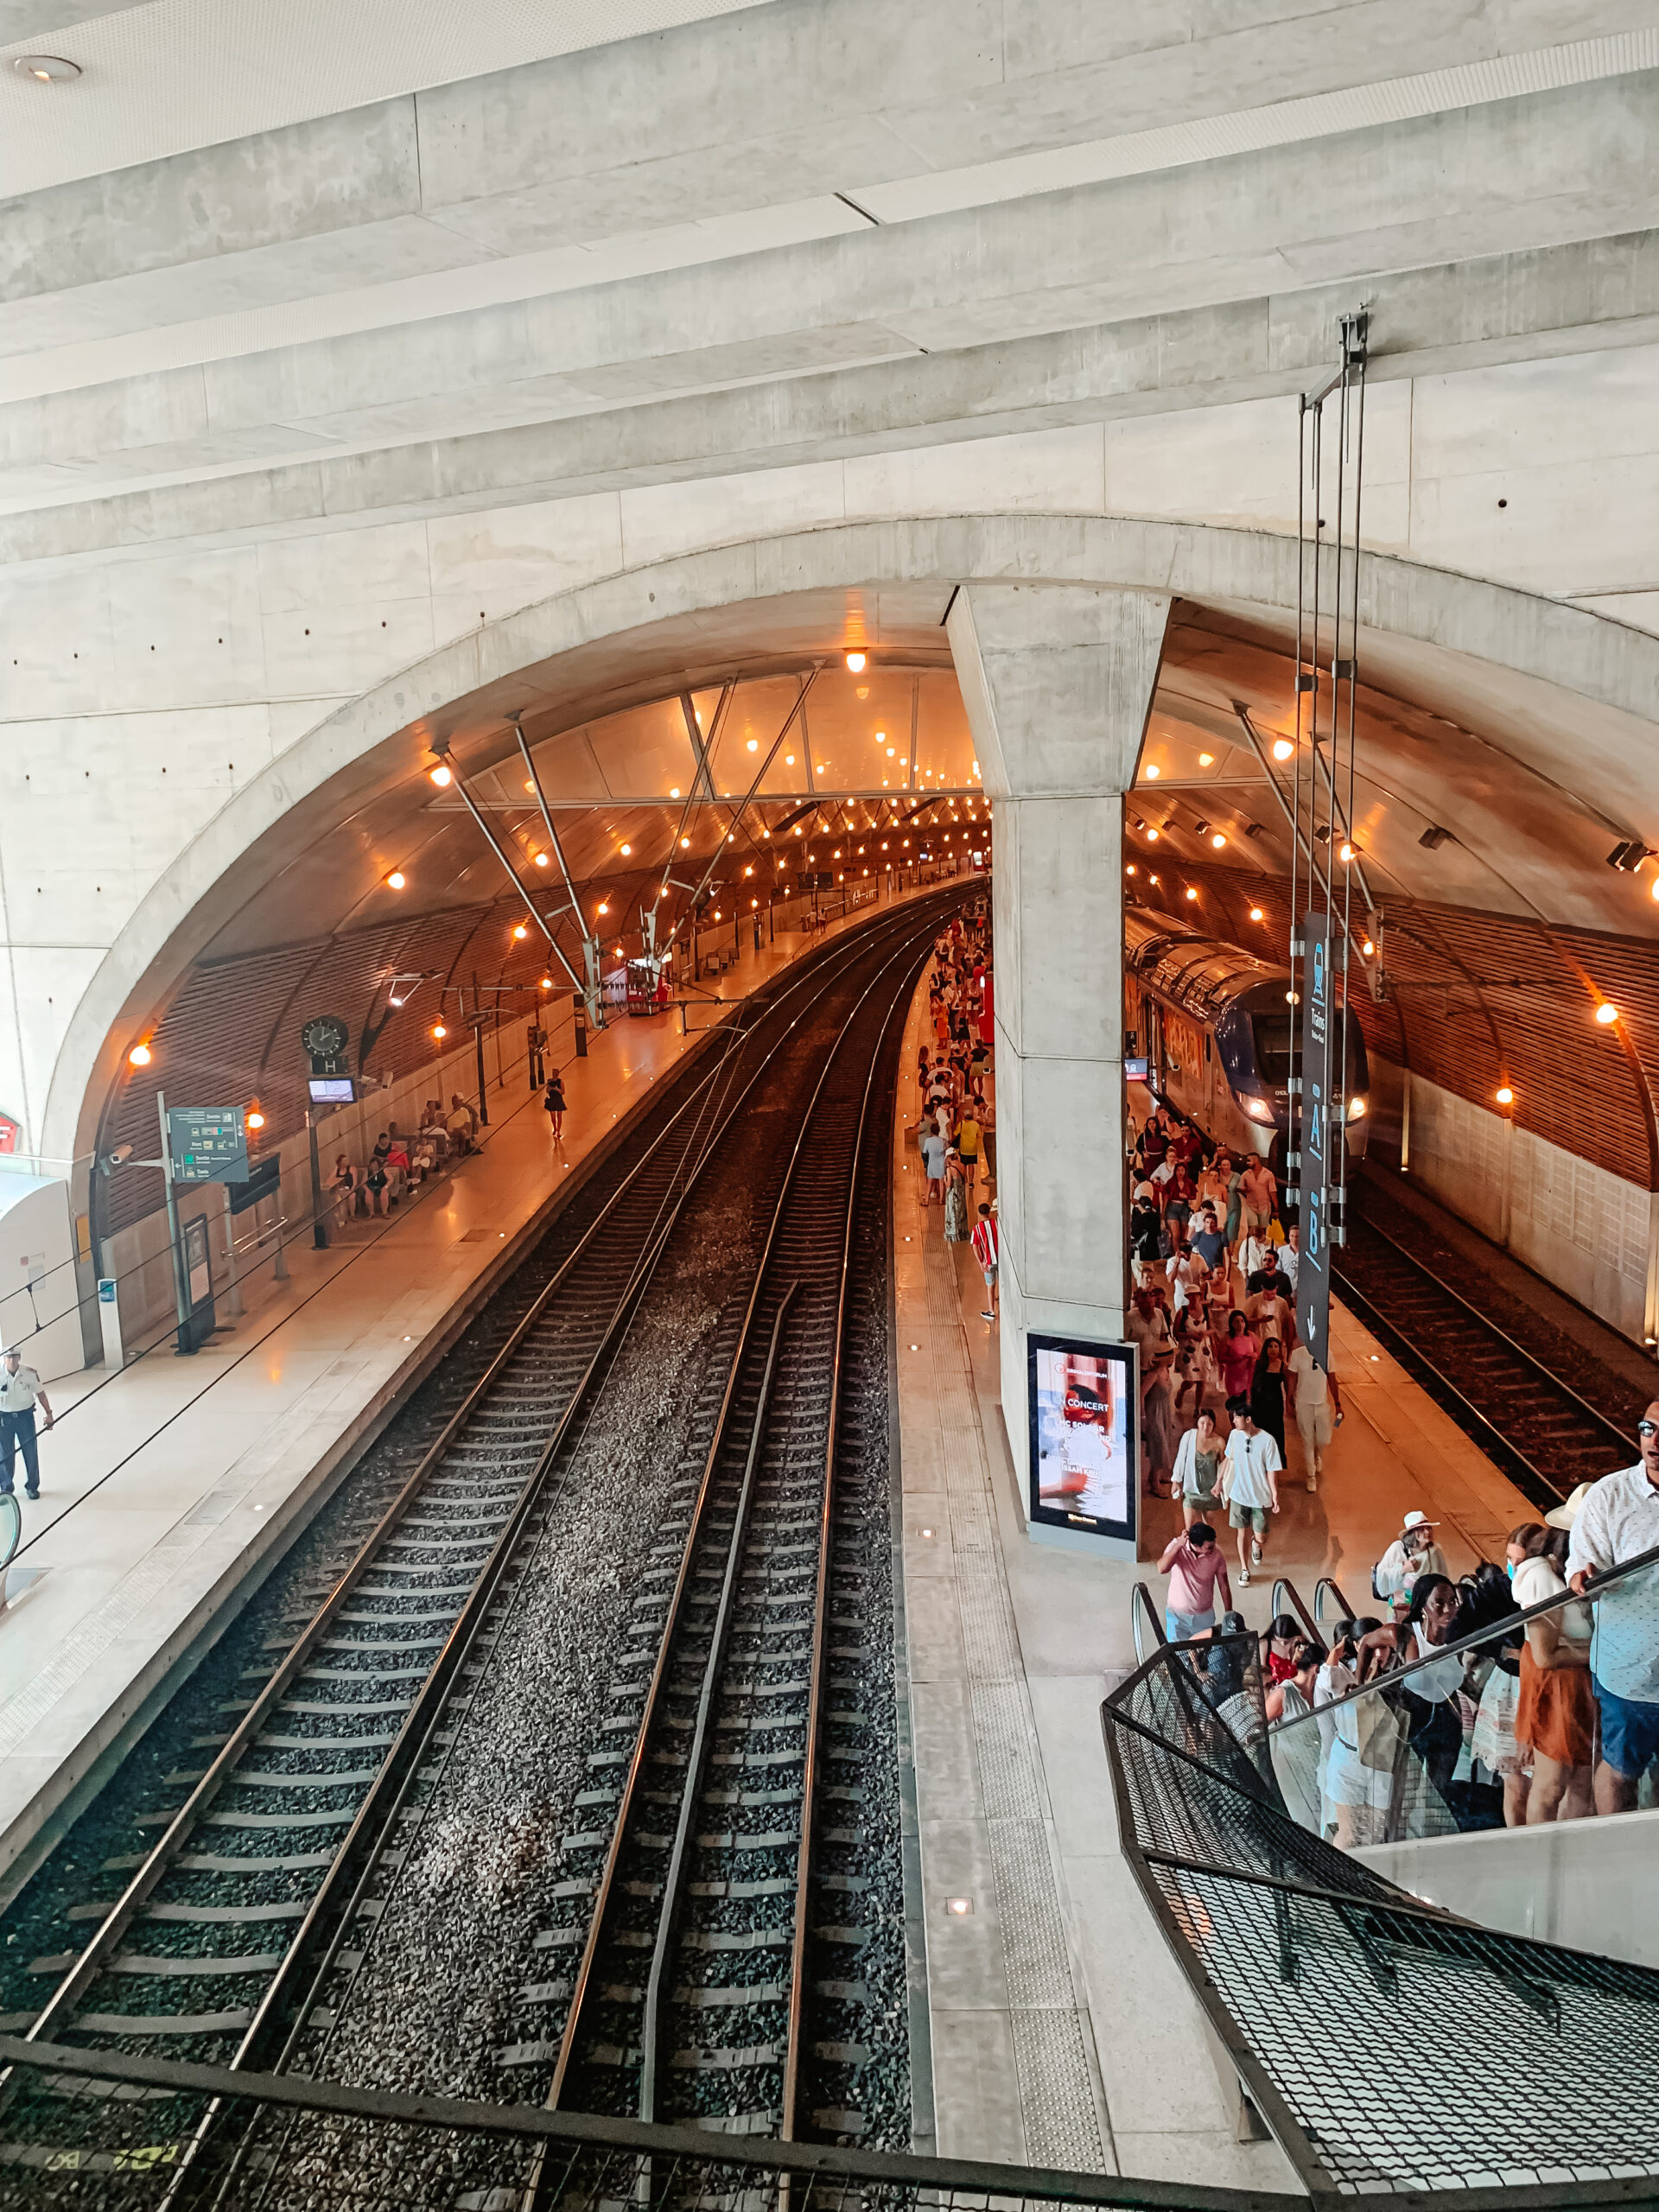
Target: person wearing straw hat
1614,1520
1413,1554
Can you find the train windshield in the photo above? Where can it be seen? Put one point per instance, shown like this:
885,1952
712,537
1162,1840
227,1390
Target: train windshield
1272,1033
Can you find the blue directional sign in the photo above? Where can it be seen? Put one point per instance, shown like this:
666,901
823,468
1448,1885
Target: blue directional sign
1319,1135
208,1144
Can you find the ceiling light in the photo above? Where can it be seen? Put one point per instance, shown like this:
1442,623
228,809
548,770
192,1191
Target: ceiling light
1606,1014
439,1031
625,850
674,791
519,929
1344,850
856,664
440,775
1191,893
1504,1095
1218,840
754,744
1151,836
1368,947
46,68
253,1117
547,982
603,908
685,844
1206,759
540,859
396,880
748,871
1130,869
1256,914
529,787
139,1056
1282,748
1153,772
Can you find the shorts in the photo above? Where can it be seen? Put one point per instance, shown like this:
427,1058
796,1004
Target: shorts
1630,1731
1181,1628
1248,1517
1314,1422
990,1275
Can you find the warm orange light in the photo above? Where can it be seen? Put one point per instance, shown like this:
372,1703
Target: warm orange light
1282,748
439,1031
1504,1095
1192,894
603,908
685,843
139,1056
519,931
1130,869
626,850
1345,851
396,880
547,982
253,1117
748,871
856,664
754,744
440,775
1151,836
1606,1014
1206,759
1256,914
1152,772
540,859
1368,947
1218,840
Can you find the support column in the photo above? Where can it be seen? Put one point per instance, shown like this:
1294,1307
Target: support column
1058,680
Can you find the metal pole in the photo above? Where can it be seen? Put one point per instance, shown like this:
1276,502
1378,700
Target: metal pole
176,1235
233,1302
319,1211
483,1097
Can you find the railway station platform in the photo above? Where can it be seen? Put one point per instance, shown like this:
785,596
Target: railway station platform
169,1486
1062,2030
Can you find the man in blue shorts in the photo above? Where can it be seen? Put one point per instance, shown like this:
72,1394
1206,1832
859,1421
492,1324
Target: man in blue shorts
1618,1521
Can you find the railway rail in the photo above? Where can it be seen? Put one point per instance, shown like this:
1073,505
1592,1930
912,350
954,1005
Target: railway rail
1539,1430
245,1924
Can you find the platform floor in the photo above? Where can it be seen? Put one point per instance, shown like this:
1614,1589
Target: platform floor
166,1484
1062,2030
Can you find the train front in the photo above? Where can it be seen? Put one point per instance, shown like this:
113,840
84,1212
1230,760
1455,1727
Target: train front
1255,1038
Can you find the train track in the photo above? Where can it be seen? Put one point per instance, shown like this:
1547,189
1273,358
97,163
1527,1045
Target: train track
1539,1430
244,1925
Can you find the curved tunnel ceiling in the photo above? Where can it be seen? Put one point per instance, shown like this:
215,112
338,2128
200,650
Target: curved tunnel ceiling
1532,788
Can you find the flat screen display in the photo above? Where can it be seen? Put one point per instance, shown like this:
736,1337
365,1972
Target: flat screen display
1085,1443
1134,1071
332,1090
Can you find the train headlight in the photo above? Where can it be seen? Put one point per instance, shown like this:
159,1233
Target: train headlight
1356,1108
1259,1110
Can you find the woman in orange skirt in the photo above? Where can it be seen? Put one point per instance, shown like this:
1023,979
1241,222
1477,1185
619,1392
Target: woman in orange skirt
1555,1714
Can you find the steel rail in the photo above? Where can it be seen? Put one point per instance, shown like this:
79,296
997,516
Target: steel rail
330,1915
1139,1602
56,2013
1491,1328
821,1604
169,1846
656,1691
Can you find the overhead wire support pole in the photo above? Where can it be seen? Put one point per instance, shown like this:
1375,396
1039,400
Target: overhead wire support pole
496,847
589,986
748,797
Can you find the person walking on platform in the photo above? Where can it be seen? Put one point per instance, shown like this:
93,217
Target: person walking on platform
967,1143
1250,1484
1619,1519
932,1163
986,1252
1196,1477
1268,1393
553,1100
20,1391
1317,1403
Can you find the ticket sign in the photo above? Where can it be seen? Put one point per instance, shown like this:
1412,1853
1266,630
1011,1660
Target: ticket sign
208,1144
1315,1139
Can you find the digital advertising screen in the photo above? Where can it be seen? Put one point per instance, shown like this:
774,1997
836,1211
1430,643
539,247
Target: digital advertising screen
1085,1445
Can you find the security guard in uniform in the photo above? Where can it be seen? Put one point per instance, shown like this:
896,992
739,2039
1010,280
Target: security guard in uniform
20,1391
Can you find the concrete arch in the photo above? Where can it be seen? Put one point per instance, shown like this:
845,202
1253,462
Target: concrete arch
1531,665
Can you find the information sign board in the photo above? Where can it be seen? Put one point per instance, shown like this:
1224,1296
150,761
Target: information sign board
1083,1398
1315,1140
208,1144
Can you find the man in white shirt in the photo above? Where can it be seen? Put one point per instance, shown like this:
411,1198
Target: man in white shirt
20,1391
1619,1521
1317,1403
1290,1257
1250,1484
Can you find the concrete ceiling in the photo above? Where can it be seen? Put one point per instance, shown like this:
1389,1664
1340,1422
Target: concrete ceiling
598,230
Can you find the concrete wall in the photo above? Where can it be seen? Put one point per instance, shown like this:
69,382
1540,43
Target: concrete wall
39,1308
1587,1883
1585,1230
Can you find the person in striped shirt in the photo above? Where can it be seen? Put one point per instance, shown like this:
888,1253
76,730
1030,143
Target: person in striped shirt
986,1252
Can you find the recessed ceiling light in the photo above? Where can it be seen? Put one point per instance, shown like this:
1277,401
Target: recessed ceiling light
46,68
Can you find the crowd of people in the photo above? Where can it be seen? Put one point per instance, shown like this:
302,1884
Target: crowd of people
954,1103
397,1163
1212,1311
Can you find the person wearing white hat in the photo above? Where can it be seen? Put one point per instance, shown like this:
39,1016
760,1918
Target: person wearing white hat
1616,1521
1414,1553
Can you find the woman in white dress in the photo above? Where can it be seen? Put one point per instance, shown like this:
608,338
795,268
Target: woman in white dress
1296,1751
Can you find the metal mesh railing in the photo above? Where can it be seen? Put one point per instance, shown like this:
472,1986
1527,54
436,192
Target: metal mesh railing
104,2133
1391,2047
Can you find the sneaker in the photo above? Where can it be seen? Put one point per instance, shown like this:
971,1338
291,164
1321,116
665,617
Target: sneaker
986,1314
1244,1575
1255,1553
31,1493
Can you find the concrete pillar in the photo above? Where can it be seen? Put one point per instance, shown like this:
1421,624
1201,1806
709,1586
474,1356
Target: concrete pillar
1058,680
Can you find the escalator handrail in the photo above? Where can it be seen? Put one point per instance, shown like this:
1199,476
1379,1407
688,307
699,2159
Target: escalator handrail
1283,1582
1346,1611
1140,1600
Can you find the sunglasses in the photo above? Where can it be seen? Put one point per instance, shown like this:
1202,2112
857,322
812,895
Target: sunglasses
1646,1427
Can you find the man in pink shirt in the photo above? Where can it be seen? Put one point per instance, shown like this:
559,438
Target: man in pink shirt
1197,1568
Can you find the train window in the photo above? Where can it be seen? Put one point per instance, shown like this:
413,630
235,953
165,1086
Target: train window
1272,1033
